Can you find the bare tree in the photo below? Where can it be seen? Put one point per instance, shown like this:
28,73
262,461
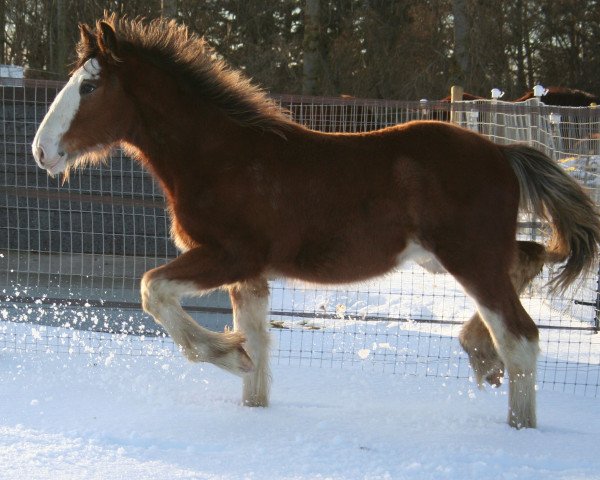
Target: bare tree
462,41
58,38
2,31
312,32
366,48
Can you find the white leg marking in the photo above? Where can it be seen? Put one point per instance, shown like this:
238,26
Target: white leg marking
520,357
250,306
160,298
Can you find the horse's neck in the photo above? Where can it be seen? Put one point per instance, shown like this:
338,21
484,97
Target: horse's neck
175,144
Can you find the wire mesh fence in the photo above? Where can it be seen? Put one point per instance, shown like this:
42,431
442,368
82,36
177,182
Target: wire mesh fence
72,255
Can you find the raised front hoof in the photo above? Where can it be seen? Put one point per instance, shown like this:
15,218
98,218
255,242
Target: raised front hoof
224,350
235,361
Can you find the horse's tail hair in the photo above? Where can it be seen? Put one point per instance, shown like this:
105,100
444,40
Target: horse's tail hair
551,194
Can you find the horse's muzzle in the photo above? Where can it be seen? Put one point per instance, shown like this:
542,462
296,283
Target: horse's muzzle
52,163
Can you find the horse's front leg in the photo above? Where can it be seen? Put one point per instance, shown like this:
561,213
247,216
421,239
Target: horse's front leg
193,273
250,301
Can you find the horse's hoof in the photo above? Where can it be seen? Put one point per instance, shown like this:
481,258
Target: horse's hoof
245,363
235,361
495,378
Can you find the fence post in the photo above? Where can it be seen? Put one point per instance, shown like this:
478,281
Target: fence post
456,95
496,94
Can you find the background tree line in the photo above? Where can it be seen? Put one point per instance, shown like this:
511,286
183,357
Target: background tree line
395,49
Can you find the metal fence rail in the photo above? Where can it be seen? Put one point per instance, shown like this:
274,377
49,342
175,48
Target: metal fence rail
73,254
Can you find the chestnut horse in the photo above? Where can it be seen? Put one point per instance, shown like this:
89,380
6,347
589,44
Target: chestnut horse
253,195
559,96
563,97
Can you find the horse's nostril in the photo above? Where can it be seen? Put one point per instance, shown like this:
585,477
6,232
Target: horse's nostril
38,153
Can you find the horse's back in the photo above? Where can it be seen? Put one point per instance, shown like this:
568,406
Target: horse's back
435,163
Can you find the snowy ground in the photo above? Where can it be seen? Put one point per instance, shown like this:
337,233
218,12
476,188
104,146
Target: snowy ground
76,404
158,417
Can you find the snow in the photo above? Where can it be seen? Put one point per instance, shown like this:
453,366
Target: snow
351,399
155,416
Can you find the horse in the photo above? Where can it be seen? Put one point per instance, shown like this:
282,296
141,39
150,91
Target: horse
559,96
563,97
254,196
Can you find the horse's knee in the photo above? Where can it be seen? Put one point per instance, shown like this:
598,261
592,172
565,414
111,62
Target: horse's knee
157,291
149,292
249,291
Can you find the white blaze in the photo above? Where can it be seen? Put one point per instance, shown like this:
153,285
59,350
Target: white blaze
47,148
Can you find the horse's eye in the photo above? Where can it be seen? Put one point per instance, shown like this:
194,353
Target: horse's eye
86,88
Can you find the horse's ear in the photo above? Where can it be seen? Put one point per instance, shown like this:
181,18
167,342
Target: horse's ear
86,37
107,41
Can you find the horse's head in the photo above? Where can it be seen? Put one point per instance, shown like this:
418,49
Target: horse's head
90,114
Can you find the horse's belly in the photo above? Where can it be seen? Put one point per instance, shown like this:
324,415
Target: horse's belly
329,266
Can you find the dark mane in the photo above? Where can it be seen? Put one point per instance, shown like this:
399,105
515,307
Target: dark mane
173,48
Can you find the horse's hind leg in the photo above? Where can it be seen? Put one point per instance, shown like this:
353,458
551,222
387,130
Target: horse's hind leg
475,337
250,302
515,337
513,333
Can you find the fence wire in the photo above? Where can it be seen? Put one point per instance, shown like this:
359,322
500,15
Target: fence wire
71,256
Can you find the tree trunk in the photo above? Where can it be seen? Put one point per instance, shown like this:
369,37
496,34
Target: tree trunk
461,42
61,38
521,41
311,47
3,13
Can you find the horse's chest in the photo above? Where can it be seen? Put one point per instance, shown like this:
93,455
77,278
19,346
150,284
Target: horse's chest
193,225
186,229
183,241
